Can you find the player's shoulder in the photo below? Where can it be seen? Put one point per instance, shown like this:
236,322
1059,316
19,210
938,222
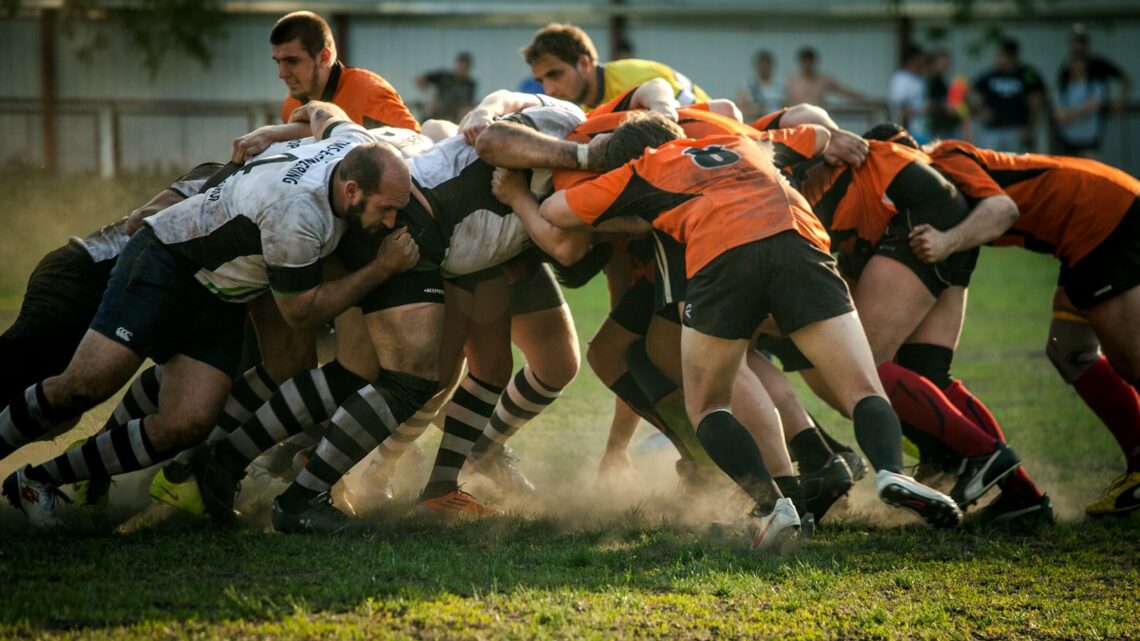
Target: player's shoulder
363,77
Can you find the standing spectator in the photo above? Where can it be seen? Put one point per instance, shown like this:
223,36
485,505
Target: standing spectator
946,100
1078,110
454,90
906,94
811,86
1008,101
1083,79
763,94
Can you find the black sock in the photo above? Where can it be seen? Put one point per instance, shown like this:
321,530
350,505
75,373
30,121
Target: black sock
731,447
809,450
627,389
931,361
296,498
879,433
834,445
652,380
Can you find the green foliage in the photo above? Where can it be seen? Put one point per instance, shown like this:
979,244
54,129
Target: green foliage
156,28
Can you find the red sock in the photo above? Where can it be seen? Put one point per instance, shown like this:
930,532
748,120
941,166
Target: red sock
974,409
1116,403
1019,483
921,404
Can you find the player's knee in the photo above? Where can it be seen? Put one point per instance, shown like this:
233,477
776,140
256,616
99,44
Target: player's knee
931,361
557,367
79,393
1072,348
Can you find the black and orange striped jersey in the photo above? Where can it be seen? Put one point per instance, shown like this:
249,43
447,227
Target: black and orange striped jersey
855,204
711,194
1068,205
367,98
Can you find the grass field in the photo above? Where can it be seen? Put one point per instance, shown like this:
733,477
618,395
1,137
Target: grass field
630,561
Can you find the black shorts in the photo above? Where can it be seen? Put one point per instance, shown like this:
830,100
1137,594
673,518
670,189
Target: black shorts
1110,269
669,288
154,306
635,308
954,271
782,347
421,284
783,275
468,282
62,297
537,291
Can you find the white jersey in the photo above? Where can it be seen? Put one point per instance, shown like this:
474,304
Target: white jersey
478,231
268,225
409,143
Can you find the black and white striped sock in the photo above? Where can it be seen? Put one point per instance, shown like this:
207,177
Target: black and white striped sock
28,417
366,419
525,397
302,401
249,392
466,417
140,400
125,448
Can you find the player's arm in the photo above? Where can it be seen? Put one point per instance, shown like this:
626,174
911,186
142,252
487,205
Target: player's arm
160,201
567,247
321,116
656,95
988,220
306,302
513,146
249,145
495,105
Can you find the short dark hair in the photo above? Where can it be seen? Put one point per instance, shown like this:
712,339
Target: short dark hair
762,54
807,53
1010,47
566,42
912,51
463,56
892,132
311,29
639,130
364,165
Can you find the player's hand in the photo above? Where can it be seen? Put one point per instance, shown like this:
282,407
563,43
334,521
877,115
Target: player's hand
249,145
474,123
398,252
302,113
845,148
135,220
667,108
930,245
596,154
507,185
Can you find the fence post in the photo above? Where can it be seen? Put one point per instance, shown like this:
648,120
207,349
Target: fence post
106,138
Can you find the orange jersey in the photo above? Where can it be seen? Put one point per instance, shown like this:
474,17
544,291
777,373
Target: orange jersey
711,195
790,146
1068,205
770,121
853,203
367,98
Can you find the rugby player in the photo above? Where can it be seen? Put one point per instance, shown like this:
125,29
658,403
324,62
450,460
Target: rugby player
1086,214
173,293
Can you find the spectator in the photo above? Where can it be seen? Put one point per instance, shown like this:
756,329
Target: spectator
1077,110
946,100
812,87
763,94
906,94
454,91
1007,100
1084,79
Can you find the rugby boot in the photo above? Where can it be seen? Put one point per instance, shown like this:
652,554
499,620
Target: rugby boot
319,515
855,463
1120,497
778,531
933,506
34,498
218,487
500,465
978,474
823,487
184,496
457,503
1007,509
93,492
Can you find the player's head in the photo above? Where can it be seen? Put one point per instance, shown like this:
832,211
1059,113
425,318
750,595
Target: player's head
807,57
376,185
304,51
1008,54
639,130
562,57
892,132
